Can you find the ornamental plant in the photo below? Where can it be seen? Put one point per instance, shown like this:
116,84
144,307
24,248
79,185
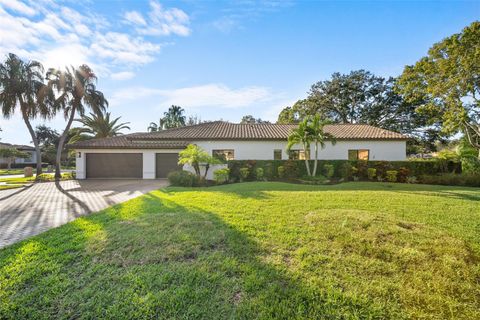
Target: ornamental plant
244,172
371,173
392,175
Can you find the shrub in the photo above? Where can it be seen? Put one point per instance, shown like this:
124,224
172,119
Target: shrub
392,175
291,169
314,180
221,175
328,170
362,167
471,165
281,171
452,179
182,178
347,171
372,173
411,179
355,174
259,173
403,173
244,172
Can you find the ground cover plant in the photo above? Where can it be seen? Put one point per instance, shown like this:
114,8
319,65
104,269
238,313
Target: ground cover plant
258,250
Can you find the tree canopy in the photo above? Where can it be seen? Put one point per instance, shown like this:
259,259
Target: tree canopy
447,81
249,119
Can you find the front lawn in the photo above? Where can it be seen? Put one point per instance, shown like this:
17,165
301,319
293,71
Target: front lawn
257,251
5,172
12,183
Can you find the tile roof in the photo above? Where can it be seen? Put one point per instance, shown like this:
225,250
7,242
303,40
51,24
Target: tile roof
16,146
219,130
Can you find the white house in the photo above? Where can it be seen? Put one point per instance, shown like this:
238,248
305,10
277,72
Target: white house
30,161
154,154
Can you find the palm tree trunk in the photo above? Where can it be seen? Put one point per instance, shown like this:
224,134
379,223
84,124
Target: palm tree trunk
61,143
307,164
316,160
34,138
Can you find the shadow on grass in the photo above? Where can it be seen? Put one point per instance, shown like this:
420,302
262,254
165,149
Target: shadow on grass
260,190
154,258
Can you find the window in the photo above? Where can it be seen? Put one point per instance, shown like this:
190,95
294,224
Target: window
361,154
298,155
224,155
277,154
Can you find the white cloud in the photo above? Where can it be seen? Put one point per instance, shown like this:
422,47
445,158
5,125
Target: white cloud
18,6
209,95
123,75
161,22
60,36
135,18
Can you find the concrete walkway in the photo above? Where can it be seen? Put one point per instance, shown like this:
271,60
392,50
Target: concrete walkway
29,211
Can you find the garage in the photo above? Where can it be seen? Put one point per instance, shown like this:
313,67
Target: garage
114,165
165,163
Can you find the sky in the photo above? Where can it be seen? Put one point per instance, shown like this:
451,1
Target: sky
219,59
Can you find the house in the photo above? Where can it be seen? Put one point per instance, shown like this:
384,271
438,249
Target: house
154,154
19,162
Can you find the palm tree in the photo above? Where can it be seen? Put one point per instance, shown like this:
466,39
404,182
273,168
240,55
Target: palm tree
319,136
174,117
77,92
21,84
154,127
100,126
301,135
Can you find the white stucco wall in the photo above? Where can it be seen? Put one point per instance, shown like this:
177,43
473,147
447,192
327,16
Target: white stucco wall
263,150
148,159
258,150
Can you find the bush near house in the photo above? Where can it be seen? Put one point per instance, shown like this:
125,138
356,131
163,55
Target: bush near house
294,169
182,178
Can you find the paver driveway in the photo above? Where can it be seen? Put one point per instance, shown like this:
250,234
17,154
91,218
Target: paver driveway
30,211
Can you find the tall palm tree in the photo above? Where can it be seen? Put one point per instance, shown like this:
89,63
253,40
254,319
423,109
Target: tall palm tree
76,88
316,127
21,84
100,126
174,117
154,127
301,135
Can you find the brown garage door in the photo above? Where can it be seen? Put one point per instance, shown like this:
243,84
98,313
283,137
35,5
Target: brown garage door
114,165
165,163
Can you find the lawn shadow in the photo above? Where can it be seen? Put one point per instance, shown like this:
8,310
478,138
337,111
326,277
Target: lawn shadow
154,258
260,190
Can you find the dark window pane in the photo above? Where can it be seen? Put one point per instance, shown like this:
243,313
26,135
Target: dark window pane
352,155
277,154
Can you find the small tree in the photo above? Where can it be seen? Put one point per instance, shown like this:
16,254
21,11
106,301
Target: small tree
11,153
301,135
195,156
319,136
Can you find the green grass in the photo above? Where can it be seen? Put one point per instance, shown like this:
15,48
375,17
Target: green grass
12,183
257,251
4,172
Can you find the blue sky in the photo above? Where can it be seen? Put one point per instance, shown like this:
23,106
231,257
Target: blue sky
220,60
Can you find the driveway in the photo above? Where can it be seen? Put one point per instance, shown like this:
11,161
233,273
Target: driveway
30,211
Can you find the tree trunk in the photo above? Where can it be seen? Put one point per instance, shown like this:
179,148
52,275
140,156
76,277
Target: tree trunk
9,163
61,143
34,137
307,164
207,166
316,160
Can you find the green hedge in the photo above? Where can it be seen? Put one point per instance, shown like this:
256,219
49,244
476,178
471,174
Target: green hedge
297,169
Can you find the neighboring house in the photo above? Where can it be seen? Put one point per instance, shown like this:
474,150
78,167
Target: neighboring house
154,154
19,162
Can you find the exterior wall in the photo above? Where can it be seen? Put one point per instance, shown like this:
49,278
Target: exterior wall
258,150
148,159
33,159
263,150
